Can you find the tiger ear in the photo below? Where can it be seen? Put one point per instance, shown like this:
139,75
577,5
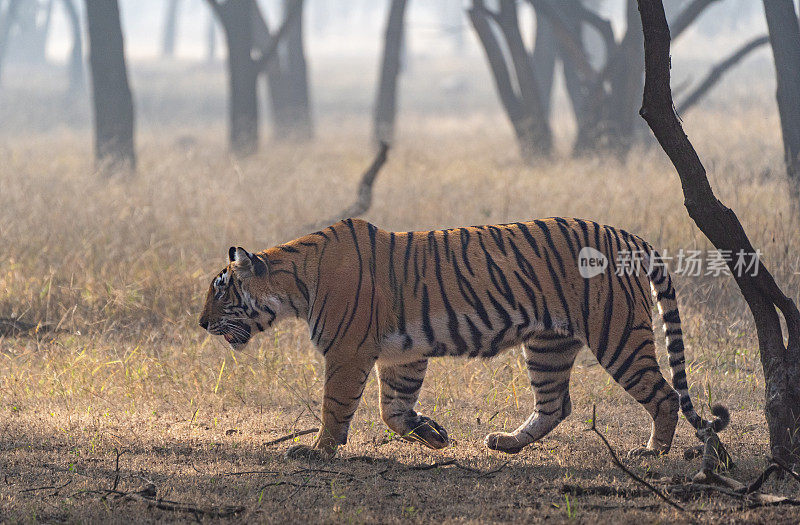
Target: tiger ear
247,264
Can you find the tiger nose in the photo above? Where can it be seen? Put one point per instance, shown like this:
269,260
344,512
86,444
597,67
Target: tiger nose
204,324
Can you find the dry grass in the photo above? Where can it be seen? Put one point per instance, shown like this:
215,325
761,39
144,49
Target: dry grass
122,266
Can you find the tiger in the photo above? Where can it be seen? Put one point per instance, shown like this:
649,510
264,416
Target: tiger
392,300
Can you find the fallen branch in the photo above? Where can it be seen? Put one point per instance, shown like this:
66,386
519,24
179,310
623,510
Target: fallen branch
786,468
633,476
54,487
116,468
438,464
249,472
12,327
601,490
761,479
148,496
364,195
456,464
293,435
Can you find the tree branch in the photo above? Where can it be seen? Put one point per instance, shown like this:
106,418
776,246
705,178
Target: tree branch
479,16
688,15
716,72
569,42
601,25
364,198
292,14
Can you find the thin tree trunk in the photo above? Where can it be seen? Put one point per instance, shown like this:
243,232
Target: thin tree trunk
781,362
76,78
386,103
211,39
540,141
32,30
627,82
576,86
113,105
524,108
6,23
513,102
784,34
237,22
170,28
500,71
297,79
543,60
277,86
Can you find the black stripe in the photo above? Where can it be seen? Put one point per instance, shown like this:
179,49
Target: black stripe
529,237
452,319
494,345
426,317
497,236
470,296
464,233
549,238
475,334
407,257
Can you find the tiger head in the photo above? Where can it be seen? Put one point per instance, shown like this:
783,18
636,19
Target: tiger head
241,299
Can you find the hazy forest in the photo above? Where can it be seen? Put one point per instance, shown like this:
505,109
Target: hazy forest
140,139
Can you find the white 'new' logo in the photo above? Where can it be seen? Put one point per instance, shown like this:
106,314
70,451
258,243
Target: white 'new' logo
591,262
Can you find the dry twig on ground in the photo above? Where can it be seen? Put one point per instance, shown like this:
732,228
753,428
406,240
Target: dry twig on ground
625,469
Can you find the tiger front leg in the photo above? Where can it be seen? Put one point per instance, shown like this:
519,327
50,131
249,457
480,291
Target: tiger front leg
345,378
399,390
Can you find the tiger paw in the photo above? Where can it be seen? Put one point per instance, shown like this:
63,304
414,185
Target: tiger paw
308,453
644,452
504,442
428,432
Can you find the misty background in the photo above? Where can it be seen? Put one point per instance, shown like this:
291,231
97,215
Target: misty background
444,71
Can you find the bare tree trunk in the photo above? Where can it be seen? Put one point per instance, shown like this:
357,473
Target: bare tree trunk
277,85
575,83
784,34
606,95
781,362
170,28
237,21
543,60
76,79
32,30
524,108
301,127
113,105
7,19
627,82
386,103
500,72
211,39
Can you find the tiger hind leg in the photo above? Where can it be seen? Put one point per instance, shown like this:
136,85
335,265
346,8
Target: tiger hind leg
399,389
549,359
640,376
